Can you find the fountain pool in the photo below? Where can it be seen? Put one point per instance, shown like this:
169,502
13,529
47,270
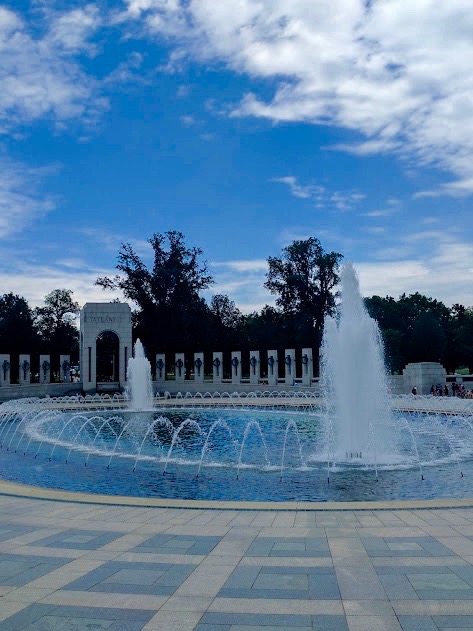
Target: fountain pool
353,443
267,449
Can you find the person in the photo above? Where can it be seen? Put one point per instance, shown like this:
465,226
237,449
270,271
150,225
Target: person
432,390
414,390
445,390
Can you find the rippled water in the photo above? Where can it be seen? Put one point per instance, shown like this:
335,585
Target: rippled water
233,454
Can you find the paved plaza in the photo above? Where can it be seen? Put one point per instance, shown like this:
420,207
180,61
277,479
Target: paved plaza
77,566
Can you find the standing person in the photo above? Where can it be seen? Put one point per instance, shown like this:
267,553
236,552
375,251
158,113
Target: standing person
414,390
445,390
432,390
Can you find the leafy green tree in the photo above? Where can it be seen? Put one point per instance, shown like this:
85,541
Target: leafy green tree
386,312
303,278
55,322
171,315
393,350
227,321
428,340
463,336
265,328
18,333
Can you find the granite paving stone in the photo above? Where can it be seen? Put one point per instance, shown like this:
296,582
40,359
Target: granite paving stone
125,568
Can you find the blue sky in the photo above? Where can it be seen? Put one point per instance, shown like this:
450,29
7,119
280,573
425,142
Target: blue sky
245,124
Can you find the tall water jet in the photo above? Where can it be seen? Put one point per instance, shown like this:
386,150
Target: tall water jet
354,379
139,378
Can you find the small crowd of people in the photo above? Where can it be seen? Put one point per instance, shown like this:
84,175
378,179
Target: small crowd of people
458,390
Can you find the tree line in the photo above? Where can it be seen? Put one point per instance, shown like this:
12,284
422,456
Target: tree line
49,329
171,315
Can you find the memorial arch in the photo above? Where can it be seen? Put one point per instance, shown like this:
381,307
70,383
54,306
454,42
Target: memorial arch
99,320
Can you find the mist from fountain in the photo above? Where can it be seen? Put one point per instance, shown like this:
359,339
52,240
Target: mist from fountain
353,379
139,378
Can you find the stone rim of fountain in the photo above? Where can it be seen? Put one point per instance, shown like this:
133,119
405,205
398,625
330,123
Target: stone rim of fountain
15,489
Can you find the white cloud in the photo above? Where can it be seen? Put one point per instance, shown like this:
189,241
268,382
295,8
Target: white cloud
38,73
34,280
320,195
251,265
188,120
442,271
20,202
183,91
243,281
111,241
71,30
127,72
394,71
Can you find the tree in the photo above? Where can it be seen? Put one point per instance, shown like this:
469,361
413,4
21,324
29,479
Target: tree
170,313
17,329
55,322
386,312
303,279
463,336
428,340
227,322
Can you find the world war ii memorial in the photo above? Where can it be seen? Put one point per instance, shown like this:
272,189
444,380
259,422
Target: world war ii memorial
236,322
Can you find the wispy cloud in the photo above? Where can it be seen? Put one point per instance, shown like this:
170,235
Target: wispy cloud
127,72
21,202
111,241
442,269
252,265
392,71
243,281
320,195
34,280
39,74
188,120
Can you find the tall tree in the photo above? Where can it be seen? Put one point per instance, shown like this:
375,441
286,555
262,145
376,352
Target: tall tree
55,322
227,322
170,313
303,279
463,336
18,333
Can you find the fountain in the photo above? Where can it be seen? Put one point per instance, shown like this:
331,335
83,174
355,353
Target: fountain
354,380
139,378
269,445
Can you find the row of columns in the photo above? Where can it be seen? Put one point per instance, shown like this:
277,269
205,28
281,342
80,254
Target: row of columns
24,375
271,367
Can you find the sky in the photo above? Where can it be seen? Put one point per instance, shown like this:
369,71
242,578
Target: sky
245,124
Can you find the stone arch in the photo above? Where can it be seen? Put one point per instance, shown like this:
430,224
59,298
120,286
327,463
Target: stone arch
97,318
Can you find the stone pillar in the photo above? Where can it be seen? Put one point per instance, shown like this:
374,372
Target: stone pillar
307,366
160,367
180,368
289,366
272,368
5,379
65,368
236,367
217,365
423,375
255,368
199,367
25,370
44,369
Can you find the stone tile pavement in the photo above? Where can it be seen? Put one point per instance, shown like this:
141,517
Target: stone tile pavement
76,567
